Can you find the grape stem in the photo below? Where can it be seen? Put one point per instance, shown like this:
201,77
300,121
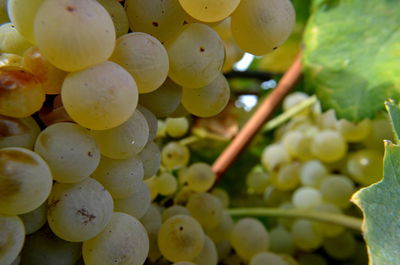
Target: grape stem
337,219
201,134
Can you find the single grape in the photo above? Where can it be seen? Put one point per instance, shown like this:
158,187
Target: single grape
200,177
305,236
35,219
222,195
257,181
287,177
275,156
312,173
175,155
166,184
281,241
365,166
18,132
137,204
208,254
206,209
306,198
174,210
329,146
151,121
176,127
337,190
118,16
209,11
151,158
12,238
11,41
340,247
223,230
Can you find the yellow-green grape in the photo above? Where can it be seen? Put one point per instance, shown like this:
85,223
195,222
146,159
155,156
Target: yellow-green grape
257,181
163,101
222,195
137,204
118,16
69,150
50,76
291,140
209,100
160,18
180,238
223,230
223,249
288,177
154,252
25,180
3,12
125,140
179,112
312,173
232,54
166,184
100,97
152,186
260,26
68,33
22,94
329,146
274,196
123,241
11,41
305,236
340,247
183,195
249,237
325,229
275,156
119,176
306,198
337,190
12,238
151,158
35,219
45,248
354,132
10,59
79,211
151,120
206,209
293,99
144,57
365,166
176,127
267,258
312,259
200,177
327,120
208,254
223,28
175,155
209,10
281,241
174,210
196,56
381,130
152,218
18,132
184,263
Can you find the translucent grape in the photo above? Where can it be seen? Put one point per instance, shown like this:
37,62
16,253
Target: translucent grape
381,130
196,56
151,158
151,184
222,195
208,254
329,146
298,144
25,180
144,57
120,177
281,240
154,252
209,11
232,54
100,97
68,33
11,41
151,121
326,229
223,28
166,184
124,241
118,16
152,218
183,195
180,238
274,156
69,150
35,219
12,238
306,198
79,211
18,132
337,190
137,204
365,166
341,247
353,132
260,26
267,258
176,127
327,120
174,210
257,181
293,99
206,209
274,196
175,155
305,236
125,140
287,178
223,230
312,173
209,100
200,177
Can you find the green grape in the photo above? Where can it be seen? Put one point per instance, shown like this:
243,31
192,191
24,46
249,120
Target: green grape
274,196
200,177
152,186
175,155
118,16
287,223
208,254
160,18
306,198
11,41
206,209
312,173
297,144
260,26
69,150
223,28
304,235
35,219
163,101
340,247
25,180
183,195
120,177
137,204
312,259
293,99
223,230
327,120
68,33
125,140
275,156
151,120
288,177
179,112
45,248
257,181
144,57
209,100
232,54
381,130
12,238
151,158
3,11
154,252
209,10
328,230
196,56
281,241
100,97
222,195
79,211
249,237
176,127
267,258
174,210
365,166
223,249
180,238
18,132
337,190
166,184
353,132
123,241
329,146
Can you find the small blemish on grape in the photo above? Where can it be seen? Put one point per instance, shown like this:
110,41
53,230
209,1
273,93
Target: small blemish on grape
202,49
70,8
275,48
155,24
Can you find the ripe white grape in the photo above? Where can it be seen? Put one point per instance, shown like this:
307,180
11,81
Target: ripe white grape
119,176
340,247
257,181
274,196
288,177
293,99
305,236
275,156
206,209
176,127
25,180
325,229
209,10
118,16
11,41
174,210
12,238
281,241
381,130
312,173
68,33
35,219
137,204
151,158
267,258
329,146
327,120
337,190
151,184
180,238
152,218
365,166
144,57
306,198
123,241
69,150
200,177
166,184
175,155
125,140
223,230
233,54
208,254
222,195
353,132
18,132
79,211
151,121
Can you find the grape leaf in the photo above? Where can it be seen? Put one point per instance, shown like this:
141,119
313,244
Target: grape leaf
351,56
381,206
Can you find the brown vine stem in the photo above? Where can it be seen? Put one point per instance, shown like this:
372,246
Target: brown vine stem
254,124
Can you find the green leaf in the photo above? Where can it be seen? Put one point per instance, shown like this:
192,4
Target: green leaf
381,206
394,112
351,57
